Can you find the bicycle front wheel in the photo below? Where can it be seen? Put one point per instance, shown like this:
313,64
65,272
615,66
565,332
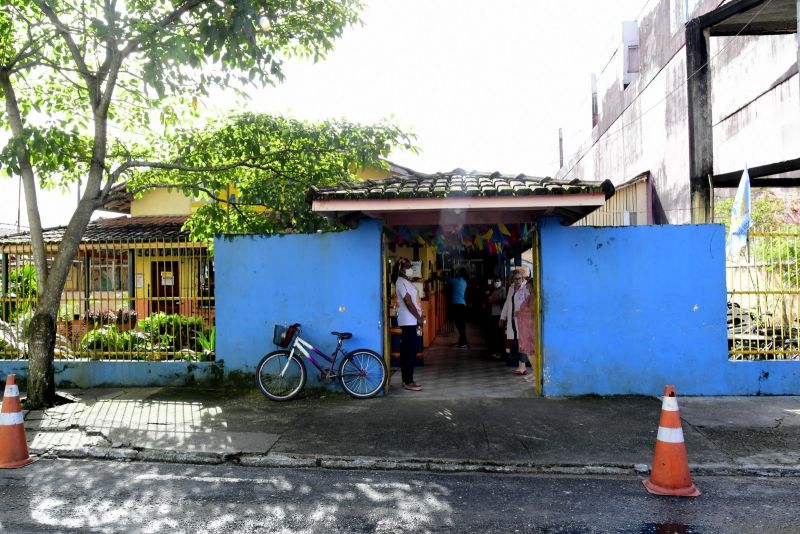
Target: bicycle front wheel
362,373
279,376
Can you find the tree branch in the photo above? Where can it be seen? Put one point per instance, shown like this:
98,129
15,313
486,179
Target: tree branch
141,189
28,50
64,32
165,21
132,164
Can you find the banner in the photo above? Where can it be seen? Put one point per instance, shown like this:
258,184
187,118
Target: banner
741,219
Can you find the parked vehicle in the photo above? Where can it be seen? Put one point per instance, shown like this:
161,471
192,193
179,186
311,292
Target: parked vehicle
754,337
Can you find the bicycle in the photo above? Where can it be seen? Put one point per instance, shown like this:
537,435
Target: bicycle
281,374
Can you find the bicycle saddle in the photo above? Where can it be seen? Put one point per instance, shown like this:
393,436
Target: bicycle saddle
342,335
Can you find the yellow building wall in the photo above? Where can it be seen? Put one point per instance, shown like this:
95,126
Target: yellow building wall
173,202
230,193
161,202
628,207
427,257
372,173
188,281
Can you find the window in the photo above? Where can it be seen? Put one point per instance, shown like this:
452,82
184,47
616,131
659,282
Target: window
109,272
633,59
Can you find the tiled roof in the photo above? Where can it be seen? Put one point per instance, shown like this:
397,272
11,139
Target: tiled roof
161,228
457,183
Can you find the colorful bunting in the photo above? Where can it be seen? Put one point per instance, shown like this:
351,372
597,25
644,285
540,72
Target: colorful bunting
492,239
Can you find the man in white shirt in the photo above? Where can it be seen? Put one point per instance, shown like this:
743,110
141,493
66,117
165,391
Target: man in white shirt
409,317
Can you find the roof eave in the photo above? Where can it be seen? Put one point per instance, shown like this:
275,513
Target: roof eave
464,210
322,206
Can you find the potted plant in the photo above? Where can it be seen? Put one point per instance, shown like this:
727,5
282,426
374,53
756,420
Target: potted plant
126,319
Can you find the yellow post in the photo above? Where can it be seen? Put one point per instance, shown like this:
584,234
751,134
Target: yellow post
537,309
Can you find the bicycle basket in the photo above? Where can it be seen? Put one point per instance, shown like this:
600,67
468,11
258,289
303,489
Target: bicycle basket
283,335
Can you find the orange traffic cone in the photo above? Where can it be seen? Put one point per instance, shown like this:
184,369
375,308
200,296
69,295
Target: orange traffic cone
13,446
670,473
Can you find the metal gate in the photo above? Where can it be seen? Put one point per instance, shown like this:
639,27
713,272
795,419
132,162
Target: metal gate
123,300
764,297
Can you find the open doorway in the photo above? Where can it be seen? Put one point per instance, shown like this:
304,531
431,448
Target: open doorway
483,255
459,211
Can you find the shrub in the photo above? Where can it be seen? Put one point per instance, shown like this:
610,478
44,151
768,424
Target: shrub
109,339
22,282
174,330
23,292
208,341
105,339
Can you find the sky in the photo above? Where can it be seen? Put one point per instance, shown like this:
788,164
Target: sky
483,85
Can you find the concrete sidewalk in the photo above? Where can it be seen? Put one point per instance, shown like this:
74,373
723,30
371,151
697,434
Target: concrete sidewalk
729,435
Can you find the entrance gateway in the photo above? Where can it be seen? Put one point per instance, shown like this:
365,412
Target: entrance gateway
485,223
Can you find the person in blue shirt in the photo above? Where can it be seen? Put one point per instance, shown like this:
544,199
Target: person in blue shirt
458,306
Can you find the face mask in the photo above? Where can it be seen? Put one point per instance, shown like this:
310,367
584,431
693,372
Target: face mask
498,284
408,272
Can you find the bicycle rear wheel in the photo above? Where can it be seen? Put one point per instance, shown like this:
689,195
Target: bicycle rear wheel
362,373
279,376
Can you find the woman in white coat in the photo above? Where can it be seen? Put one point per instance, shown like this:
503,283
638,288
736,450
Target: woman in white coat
517,293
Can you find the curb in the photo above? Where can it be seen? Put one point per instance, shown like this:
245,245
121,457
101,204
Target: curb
432,465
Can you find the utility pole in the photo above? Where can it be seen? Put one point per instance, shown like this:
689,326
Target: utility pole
561,146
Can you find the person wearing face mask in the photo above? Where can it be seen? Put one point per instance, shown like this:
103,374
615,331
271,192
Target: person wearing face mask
458,306
509,317
409,317
494,340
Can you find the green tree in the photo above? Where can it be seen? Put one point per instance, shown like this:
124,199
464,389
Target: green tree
767,209
775,222
271,162
80,79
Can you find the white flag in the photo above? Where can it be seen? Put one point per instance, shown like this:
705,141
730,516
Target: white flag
741,220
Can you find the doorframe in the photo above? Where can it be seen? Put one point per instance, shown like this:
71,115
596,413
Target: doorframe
387,322
538,362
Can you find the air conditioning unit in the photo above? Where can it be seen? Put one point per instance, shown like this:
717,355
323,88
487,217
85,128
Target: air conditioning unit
631,59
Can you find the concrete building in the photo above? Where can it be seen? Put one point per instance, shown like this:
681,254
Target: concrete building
696,90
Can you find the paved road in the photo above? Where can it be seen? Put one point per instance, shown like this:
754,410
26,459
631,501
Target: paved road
96,496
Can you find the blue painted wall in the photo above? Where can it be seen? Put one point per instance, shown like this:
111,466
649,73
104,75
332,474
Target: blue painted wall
629,310
87,374
625,311
326,282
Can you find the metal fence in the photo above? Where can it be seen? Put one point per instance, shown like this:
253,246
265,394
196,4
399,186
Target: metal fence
764,297
123,300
